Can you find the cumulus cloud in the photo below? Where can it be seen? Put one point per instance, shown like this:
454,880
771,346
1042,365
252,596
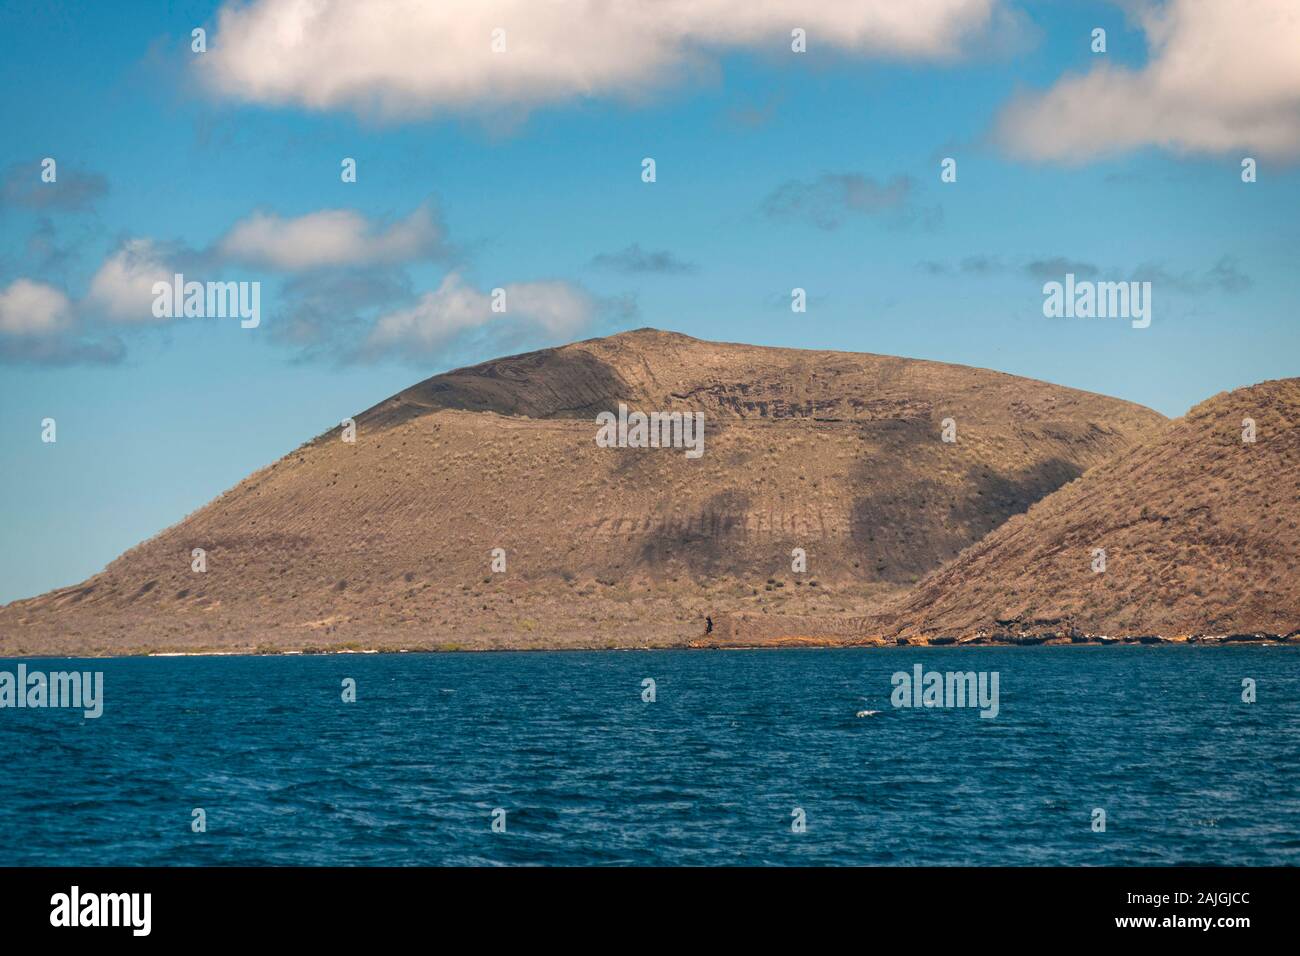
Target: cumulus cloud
977,265
634,259
827,201
61,350
550,309
407,57
330,238
1057,266
122,287
38,325
74,190
1219,77
1224,276
46,248
33,308
324,316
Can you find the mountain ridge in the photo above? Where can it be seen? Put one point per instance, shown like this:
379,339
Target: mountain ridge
387,542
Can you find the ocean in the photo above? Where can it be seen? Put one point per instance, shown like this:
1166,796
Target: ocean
742,757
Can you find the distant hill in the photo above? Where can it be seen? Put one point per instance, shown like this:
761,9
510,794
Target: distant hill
1201,533
387,541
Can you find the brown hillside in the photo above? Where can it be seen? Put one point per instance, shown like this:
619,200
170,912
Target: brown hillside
1201,532
386,542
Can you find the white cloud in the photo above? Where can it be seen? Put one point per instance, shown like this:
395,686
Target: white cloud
329,238
1220,76
33,309
123,286
555,309
413,56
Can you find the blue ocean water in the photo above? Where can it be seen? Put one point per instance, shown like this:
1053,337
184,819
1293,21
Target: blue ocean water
709,773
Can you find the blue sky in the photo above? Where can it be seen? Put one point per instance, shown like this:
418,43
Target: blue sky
774,170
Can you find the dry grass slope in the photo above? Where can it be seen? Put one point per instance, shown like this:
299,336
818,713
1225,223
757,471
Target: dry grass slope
1201,533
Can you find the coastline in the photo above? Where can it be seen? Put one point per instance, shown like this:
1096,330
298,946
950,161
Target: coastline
789,643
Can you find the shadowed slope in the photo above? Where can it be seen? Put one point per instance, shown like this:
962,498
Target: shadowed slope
1201,533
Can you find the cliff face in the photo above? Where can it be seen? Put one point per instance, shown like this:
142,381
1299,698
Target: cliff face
1200,529
387,541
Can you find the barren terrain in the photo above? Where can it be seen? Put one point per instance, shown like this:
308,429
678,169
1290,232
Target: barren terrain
386,542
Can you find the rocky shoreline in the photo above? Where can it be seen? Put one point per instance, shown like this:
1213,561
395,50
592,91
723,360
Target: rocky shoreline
1001,640
748,629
